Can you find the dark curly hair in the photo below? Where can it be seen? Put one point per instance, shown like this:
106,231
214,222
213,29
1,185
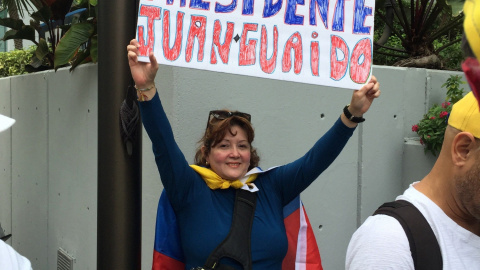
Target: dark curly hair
216,131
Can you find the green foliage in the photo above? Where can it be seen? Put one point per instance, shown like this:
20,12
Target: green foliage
71,44
382,56
454,92
14,62
452,56
431,128
79,44
76,36
418,29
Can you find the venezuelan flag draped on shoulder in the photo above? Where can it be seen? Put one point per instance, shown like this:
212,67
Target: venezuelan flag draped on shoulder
302,251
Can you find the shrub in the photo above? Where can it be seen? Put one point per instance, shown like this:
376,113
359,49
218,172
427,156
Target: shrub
431,128
14,62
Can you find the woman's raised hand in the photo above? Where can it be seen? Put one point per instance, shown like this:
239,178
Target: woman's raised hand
363,98
143,73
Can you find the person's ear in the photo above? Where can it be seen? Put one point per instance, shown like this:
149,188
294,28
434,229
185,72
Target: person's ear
463,146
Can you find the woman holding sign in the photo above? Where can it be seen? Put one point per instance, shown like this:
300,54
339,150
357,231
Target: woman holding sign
203,195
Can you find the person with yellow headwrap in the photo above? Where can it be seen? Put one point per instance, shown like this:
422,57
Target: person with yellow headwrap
202,195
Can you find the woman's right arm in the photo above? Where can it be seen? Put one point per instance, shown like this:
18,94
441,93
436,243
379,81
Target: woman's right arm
175,172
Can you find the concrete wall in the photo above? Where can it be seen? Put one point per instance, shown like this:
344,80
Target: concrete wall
48,172
48,161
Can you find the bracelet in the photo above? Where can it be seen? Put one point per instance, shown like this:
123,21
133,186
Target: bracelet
145,89
350,117
142,97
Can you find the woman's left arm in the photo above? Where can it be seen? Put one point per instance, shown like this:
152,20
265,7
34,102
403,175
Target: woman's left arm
295,177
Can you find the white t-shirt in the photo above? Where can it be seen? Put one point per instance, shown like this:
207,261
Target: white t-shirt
11,260
381,243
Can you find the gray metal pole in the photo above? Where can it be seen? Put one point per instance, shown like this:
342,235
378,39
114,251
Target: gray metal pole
119,174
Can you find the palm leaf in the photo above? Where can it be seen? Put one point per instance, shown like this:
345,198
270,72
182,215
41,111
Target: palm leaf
77,35
26,32
20,5
42,49
80,58
12,23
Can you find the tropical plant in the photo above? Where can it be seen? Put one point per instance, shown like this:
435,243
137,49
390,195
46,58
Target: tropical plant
72,43
80,42
422,30
431,128
13,13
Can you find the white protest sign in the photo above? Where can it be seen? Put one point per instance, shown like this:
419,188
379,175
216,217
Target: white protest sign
323,42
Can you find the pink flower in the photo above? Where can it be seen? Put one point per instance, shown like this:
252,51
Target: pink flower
415,128
445,104
433,117
443,114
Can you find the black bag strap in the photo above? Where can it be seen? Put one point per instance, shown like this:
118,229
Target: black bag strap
237,243
424,246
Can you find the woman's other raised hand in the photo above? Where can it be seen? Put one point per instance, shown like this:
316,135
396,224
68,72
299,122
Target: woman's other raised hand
362,99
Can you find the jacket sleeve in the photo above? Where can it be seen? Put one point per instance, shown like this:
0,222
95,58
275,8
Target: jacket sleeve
176,175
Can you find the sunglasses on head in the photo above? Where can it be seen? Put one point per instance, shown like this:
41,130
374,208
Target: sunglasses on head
222,115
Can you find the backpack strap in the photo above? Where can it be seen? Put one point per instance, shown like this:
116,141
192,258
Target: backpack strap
423,243
237,243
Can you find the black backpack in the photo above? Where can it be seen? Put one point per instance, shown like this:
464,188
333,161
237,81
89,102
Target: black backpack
423,243
237,244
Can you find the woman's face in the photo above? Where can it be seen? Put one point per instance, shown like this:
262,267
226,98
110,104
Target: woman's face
230,158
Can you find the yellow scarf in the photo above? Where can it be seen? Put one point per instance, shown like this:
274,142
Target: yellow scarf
214,181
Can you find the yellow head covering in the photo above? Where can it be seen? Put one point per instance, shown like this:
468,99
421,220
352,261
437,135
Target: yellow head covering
471,25
465,115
